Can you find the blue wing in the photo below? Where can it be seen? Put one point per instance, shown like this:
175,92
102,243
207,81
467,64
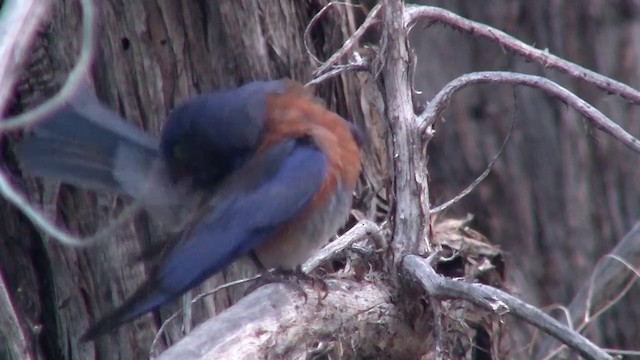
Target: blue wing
291,175
269,192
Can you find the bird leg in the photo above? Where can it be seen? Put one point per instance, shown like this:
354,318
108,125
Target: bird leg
292,278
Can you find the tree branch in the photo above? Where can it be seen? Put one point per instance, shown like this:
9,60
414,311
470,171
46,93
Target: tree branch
508,42
610,279
411,189
21,20
75,80
439,103
362,230
325,67
497,301
14,343
355,319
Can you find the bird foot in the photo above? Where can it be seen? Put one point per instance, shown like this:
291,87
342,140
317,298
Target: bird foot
294,278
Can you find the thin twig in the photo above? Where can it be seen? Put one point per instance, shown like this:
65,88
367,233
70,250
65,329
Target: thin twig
497,301
75,80
588,317
48,226
360,231
610,277
21,20
510,43
436,107
360,64
371,19
315,19
482,176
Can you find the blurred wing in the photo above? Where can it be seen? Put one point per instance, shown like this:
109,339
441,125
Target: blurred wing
86,144
290,175
262,197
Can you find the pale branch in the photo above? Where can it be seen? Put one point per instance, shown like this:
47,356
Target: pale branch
14,344
361,231
153,348
355,318
410,185
439,103
372,19
48,226
316,19
21,20
357,64
498,302
414,13
610,278
75,81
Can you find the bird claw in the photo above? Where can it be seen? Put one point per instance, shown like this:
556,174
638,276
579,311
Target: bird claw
294,278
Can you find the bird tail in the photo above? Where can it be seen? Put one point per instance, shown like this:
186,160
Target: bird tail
87,145
145,299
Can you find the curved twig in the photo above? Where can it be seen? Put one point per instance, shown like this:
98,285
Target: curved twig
75,80
510,43
497,301
21,21
436,107
371,19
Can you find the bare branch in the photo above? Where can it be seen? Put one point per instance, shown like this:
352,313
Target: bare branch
152,349
48,226
274,322
21,20
358,232
315,19
411,189
497,301
358,64
75,80
508,42
436,107
610,279
15,344
350,43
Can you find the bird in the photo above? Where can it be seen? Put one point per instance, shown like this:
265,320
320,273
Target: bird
262,170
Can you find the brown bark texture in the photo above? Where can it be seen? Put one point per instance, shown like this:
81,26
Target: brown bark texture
561,196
